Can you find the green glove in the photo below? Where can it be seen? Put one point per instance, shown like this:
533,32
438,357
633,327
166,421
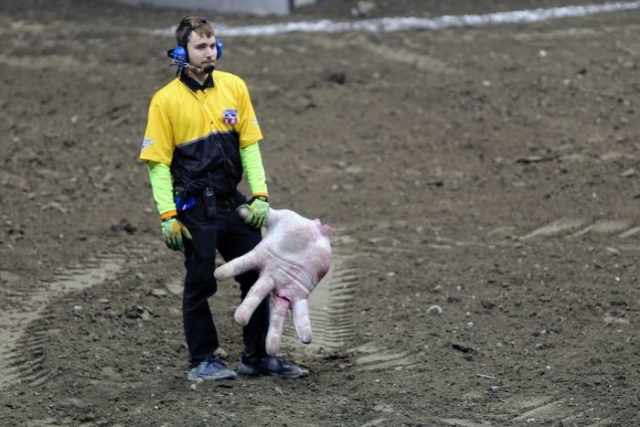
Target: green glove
258,211
172,233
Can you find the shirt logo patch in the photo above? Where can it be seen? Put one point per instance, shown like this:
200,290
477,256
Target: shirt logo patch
230,117
146,142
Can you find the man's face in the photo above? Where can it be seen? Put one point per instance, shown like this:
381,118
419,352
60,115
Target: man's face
202,50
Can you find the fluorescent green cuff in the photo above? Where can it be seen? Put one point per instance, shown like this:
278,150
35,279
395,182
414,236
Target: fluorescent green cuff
162,186
252,165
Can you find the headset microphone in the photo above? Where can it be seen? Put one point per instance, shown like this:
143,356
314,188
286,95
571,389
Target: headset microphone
180,57
208,68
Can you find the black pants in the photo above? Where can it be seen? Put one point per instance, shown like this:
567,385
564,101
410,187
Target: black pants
227,233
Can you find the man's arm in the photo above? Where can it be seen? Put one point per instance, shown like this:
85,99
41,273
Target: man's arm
162,186
253,167
258,206
173,231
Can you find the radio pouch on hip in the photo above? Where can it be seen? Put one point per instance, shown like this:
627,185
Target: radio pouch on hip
209,201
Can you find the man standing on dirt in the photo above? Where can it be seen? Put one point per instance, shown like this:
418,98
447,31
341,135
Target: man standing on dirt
202,134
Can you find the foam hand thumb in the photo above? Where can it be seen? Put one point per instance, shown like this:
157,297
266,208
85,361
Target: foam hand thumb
258,208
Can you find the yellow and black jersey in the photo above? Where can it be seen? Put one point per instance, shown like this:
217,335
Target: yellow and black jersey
199,133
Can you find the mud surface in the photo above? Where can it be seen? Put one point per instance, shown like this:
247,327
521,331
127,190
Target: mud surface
489,171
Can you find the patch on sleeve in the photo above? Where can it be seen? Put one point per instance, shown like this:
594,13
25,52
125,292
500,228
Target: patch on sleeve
146,142
230,117
255,121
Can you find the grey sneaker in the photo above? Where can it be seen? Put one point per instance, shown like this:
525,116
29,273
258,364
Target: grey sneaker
270,366
211,368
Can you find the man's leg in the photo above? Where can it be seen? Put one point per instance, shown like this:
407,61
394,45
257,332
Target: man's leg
199,285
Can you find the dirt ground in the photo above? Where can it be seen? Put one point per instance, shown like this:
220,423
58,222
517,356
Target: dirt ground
488,172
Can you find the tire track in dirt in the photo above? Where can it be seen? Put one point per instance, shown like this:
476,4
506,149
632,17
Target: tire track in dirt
23,325
574,228
414,55
537,411
540,410
329,304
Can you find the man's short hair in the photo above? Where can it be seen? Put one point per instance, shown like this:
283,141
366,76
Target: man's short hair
190,24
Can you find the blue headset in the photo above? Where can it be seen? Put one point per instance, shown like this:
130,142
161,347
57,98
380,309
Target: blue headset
180,55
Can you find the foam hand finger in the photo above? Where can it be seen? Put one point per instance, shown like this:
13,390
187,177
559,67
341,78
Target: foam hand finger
258,292
301,321
276,325
250,261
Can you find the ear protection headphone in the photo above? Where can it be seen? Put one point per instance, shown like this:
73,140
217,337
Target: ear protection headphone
180,54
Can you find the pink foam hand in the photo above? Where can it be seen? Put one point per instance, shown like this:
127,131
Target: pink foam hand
292,258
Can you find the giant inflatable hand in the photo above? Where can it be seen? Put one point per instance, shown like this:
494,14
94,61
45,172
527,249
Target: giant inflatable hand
293,256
